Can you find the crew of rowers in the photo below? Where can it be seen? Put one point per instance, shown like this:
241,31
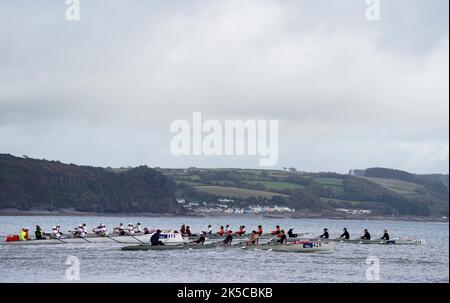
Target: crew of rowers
80,231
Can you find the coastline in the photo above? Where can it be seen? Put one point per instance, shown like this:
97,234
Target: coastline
303,215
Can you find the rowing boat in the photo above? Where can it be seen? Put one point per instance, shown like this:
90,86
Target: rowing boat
167,238
168,247
397,241
246,236
296,246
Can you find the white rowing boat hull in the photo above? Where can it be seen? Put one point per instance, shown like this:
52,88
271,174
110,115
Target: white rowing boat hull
315,246
382,242
166,238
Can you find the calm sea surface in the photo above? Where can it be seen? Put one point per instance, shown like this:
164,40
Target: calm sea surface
347,263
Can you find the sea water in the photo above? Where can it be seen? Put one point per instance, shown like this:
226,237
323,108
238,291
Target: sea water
428,262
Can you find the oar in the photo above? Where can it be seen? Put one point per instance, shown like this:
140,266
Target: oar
113,239
136,239
60,240
86,240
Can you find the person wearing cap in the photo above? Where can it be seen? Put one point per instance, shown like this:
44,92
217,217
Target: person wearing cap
55,234
154,239
291,233
325,234
385,235
23,236
130,229
39,234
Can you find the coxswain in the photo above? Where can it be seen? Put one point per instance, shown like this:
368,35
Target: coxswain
385,235
23,236
253,239
260,230
291,233
146,231
154,239
345,235
228,240
221,231
277,230
325,234
282,239
200,240
39,234
366,235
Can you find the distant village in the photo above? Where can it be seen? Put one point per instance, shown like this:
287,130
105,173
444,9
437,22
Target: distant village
225,206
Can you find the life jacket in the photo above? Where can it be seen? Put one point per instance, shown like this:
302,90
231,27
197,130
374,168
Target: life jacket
221,232
260,231
276,231
23,236
229,232
241,231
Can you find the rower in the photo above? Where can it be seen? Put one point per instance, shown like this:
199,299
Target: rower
146,231
188,231
260,230
385,235
138,229
366,235
277,230
23,236
227,228
81,230
84,228
325,234
345,235
154,240
221,231
291,233
228,239
209,229
130,229
228,231
183,229
241,230
39,233
200,240
253,239
55,233
282,239
101,230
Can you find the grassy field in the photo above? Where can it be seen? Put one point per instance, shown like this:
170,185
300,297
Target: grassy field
334,184
243,193
398,186
276,185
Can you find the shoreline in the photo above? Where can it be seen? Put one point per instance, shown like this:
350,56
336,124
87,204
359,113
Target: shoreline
12,213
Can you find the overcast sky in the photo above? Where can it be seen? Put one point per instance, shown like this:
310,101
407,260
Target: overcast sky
347,92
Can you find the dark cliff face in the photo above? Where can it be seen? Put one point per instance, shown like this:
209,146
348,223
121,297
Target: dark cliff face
39,184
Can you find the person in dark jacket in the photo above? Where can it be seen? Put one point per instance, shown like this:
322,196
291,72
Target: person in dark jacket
325,234
154,240
385,235
345,235
366,235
